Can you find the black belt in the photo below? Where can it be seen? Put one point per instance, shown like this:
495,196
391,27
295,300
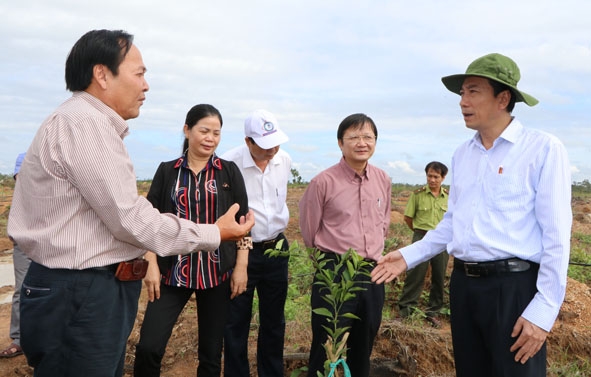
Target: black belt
268,244
483,269
111,268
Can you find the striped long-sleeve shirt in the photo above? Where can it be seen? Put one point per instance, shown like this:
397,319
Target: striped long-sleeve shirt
76,204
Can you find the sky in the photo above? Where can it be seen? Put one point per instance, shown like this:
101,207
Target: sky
311,63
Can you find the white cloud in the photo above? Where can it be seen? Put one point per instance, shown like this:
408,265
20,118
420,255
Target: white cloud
402,166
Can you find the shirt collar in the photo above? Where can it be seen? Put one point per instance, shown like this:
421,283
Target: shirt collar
248,161
120,125
441,190
214,161
351,173
511,133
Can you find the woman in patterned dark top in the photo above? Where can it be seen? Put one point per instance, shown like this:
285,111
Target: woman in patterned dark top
197,186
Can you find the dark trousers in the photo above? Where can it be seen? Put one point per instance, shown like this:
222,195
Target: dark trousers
268,275
161,316
21,265
483,313
76,323
415,281
367,305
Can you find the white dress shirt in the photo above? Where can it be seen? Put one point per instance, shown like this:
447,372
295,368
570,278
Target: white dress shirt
513,200
267,191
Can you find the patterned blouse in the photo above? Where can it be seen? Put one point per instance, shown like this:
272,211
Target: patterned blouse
195,198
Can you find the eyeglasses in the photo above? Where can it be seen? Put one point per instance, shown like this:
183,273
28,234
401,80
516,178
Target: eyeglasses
369,139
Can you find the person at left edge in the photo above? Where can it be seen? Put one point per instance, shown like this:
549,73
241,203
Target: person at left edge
198,186
76,214
20,263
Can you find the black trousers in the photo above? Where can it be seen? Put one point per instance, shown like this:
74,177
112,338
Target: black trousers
367,305
268,275
415,281
161,316
76,323
483,313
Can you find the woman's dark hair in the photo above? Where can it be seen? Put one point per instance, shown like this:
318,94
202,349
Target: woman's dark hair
355,121
197,113
438,167
107,47
498,88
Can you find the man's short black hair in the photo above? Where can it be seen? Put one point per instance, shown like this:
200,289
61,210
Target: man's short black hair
437,166
107,47
355,121
498,88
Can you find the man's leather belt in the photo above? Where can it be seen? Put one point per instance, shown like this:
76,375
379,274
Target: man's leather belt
483,269
111,268
268,244
132,270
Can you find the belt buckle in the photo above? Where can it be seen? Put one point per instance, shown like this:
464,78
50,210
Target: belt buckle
269,244
467,269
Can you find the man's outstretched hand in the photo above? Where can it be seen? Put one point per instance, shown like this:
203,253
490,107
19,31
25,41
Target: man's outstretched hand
389,267
230,230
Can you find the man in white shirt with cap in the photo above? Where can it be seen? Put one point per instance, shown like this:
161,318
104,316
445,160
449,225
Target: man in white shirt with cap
266,170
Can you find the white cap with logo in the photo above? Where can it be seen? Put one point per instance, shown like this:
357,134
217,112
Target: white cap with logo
263,128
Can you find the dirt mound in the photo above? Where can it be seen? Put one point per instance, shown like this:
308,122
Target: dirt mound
5,244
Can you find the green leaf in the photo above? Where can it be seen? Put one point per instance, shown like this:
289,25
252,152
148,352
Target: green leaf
323,312
350,315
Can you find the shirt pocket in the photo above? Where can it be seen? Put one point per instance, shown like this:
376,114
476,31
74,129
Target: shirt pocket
509,193
281,196
31,291
425,206
377,213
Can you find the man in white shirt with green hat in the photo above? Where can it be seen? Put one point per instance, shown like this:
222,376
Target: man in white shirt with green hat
507,226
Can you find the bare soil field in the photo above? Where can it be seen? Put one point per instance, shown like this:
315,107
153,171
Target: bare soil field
401,349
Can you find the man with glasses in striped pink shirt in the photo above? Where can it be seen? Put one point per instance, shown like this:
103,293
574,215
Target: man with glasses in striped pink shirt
347,206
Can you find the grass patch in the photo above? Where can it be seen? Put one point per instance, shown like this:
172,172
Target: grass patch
580,258
568,367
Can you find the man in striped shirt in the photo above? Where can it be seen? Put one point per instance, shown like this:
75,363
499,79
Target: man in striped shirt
76,214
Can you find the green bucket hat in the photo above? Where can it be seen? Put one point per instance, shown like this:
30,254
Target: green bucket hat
496,67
